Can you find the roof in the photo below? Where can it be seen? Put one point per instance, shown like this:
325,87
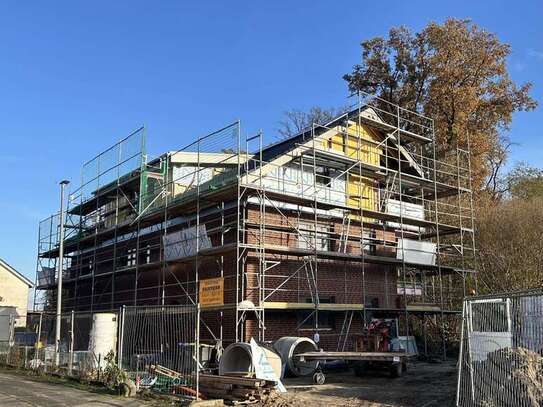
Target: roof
286,145
16,273
268,152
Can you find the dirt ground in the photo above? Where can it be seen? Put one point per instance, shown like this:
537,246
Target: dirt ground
20,390
423,385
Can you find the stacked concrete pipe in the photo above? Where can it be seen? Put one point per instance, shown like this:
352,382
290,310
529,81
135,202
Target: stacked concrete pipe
288,347
237,358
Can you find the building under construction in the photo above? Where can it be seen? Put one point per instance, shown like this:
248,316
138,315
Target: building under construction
346,221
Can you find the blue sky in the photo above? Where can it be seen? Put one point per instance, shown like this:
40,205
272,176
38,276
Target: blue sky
77,76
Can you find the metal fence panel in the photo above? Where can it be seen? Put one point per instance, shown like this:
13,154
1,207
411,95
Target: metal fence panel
35,348
159,347
501,355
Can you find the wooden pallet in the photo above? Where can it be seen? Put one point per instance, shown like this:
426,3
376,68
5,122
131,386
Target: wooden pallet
234,388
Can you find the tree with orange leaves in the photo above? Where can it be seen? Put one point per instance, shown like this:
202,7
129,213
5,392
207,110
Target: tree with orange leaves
455,73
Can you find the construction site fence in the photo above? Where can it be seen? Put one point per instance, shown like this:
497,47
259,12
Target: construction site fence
34,347
159,348
501,355
84,365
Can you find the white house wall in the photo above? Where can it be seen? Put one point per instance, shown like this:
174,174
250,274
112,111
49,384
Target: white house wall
190,175
292,180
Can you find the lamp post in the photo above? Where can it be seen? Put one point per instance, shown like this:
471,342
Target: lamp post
59,280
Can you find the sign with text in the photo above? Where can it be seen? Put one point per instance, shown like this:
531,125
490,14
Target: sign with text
263,369
211,292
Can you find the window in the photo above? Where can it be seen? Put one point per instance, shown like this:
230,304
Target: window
410,288
146,255
131,257
490,316
306,318
322,176
306,236
87,266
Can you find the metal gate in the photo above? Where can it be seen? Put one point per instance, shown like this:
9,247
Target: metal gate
501,362
158,347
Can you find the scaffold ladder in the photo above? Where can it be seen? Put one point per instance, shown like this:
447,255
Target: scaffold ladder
344,236
389,189
312,283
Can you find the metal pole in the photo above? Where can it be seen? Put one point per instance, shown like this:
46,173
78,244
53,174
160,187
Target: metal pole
462,350
38,340
121,336
59,284
71,360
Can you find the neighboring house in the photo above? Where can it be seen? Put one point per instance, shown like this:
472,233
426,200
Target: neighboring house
14,289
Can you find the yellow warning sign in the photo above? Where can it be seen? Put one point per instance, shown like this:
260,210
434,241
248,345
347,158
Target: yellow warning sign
211,292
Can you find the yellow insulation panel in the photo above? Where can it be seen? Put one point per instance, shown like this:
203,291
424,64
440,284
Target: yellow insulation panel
358,142
361,192
361,143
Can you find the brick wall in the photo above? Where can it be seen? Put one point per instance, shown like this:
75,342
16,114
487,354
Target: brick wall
339,281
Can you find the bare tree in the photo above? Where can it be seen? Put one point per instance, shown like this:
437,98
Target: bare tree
496,185
295,120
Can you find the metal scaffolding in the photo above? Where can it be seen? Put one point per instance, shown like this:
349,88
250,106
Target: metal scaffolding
347,220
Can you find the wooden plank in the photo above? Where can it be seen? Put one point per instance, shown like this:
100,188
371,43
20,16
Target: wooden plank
165,371
250,375
423,307
241,381
240,393
218,394
216,386
367,258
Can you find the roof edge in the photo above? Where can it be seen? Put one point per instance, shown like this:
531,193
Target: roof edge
16,273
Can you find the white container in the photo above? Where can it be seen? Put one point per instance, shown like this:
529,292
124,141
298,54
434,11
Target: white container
103,336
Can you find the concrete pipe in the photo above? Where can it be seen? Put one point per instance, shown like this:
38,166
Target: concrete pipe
288,346
237,358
